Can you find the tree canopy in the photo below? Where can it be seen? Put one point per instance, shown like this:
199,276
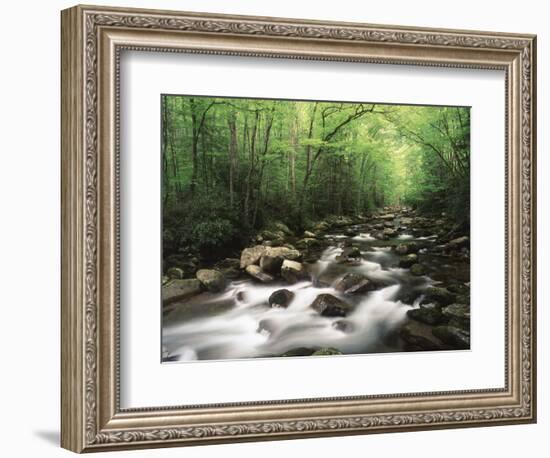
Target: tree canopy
232,166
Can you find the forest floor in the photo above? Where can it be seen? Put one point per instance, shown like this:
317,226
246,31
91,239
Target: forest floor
393,281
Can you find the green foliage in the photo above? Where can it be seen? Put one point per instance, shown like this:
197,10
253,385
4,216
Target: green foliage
205,224
438,158
233,166
213,233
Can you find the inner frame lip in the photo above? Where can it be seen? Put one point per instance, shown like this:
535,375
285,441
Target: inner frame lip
505,391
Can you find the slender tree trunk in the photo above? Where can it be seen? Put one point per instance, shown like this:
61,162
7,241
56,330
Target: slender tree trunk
197,124
258,195
171,126
205,163
292,155
165,181
251,168
361,183
194,144
309,162
232,154
263,160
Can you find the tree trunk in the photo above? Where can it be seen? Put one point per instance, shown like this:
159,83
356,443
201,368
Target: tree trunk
262,168
165,182
232,154
251,167
194,142
292,155
309,165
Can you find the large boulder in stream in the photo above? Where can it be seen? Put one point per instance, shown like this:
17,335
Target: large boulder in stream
459,243
329,305
280,226
175,273
429,314
341,221
177,290
258,274
281,298
293,271
321,226
389,232
440,295
458,315
352,283
212,280
419,337
349,253
271,264
462,289
273,235
308,242
418,270
229,267
451,335
252,255
284,252
408,260
183,262
406,248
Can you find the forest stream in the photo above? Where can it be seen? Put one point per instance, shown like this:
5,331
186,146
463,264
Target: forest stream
394,282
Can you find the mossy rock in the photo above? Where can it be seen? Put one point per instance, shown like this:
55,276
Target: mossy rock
327,352
451,335
458,315
408,260
212,280
458,288
300,351
282,227
440,295
281,298
175,273
308,243
418,270
321,226
177,290
429,314
329,305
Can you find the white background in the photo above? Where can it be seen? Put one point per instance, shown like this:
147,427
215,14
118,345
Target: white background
146,75
29,246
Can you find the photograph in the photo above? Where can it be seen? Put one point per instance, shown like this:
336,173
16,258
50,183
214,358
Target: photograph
286,223
313,228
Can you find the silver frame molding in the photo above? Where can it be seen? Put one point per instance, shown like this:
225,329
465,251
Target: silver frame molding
92,40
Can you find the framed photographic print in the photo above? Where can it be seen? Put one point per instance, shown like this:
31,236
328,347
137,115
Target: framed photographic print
278,228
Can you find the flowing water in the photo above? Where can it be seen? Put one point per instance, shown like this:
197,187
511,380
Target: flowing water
239,323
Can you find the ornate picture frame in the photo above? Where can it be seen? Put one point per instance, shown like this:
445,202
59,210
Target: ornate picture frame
92,40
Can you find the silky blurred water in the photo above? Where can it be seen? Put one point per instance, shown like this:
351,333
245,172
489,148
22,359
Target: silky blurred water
247,327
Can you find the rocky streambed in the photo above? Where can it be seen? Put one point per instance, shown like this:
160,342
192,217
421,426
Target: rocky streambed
394,281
